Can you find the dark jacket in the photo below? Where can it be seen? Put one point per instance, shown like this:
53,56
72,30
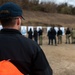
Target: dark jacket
53,33
40,32
59,32
25,54
35,34
30,34
68,32
49,34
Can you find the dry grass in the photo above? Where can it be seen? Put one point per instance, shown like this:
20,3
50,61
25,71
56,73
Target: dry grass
39,18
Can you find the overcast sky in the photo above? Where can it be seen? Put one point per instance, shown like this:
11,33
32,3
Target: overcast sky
71,2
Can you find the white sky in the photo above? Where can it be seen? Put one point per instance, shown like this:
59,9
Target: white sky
71,2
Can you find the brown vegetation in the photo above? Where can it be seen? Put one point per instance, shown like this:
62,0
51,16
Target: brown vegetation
36,18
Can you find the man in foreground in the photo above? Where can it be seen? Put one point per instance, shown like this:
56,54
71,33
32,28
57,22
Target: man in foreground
25,54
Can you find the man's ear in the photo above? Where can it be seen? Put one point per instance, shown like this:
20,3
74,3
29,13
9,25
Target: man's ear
18,22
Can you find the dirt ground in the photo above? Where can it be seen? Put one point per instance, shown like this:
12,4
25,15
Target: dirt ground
61,57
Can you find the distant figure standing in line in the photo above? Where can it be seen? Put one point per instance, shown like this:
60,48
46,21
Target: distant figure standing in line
30,34
49,36
59,35
35,35
68,35
73,35
40,33
53,36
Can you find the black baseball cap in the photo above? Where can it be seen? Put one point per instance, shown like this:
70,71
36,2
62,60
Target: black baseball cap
9,10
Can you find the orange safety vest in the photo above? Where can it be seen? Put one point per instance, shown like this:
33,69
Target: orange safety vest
7,68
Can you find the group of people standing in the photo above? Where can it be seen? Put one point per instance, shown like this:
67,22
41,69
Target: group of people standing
36,34
51,35
54,37
69,33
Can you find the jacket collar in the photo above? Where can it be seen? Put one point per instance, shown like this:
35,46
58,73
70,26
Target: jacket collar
10,31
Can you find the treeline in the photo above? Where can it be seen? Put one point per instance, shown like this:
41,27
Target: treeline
44,7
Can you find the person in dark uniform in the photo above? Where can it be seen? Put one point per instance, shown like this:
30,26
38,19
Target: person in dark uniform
40,33
49,36
59,35
68,35
23,52
35,35
30,36
53,36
